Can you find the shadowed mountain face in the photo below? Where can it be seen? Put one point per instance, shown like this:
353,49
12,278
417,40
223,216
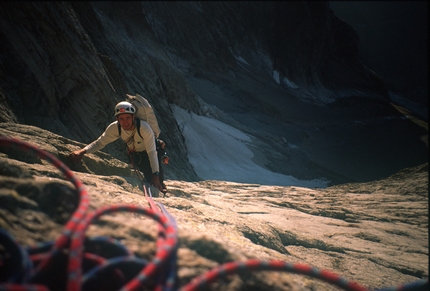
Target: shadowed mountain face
288,74
393,42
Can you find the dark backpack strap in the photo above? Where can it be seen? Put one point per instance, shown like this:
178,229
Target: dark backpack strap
137,122
119,129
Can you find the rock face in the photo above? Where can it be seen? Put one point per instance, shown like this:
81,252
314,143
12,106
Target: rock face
286,74
70,87
65,65
375,233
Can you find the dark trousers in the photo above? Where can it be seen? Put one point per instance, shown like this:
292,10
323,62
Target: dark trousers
140,160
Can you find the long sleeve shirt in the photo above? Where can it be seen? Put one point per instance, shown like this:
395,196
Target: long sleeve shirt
137,144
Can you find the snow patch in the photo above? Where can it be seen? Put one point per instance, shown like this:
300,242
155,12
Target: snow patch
218,151
242,60
284,80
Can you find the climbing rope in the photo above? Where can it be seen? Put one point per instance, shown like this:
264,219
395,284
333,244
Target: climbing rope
74,262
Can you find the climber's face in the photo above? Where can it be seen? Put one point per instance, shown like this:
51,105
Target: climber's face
126,121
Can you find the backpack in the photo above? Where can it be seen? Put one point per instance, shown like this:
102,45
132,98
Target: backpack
145,112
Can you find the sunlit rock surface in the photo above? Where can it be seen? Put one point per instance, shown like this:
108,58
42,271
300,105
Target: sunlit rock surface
374,233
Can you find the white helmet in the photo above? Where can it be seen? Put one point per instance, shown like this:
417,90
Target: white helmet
124,107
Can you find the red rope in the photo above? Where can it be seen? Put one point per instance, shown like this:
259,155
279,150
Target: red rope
222,271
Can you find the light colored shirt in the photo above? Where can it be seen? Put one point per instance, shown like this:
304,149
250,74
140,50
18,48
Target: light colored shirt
138,144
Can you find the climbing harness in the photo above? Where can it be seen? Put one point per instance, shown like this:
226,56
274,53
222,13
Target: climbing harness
145,183
74,262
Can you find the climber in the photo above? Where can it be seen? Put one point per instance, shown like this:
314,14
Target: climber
141,147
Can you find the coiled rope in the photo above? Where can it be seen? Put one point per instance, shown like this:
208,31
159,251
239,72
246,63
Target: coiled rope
77,267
